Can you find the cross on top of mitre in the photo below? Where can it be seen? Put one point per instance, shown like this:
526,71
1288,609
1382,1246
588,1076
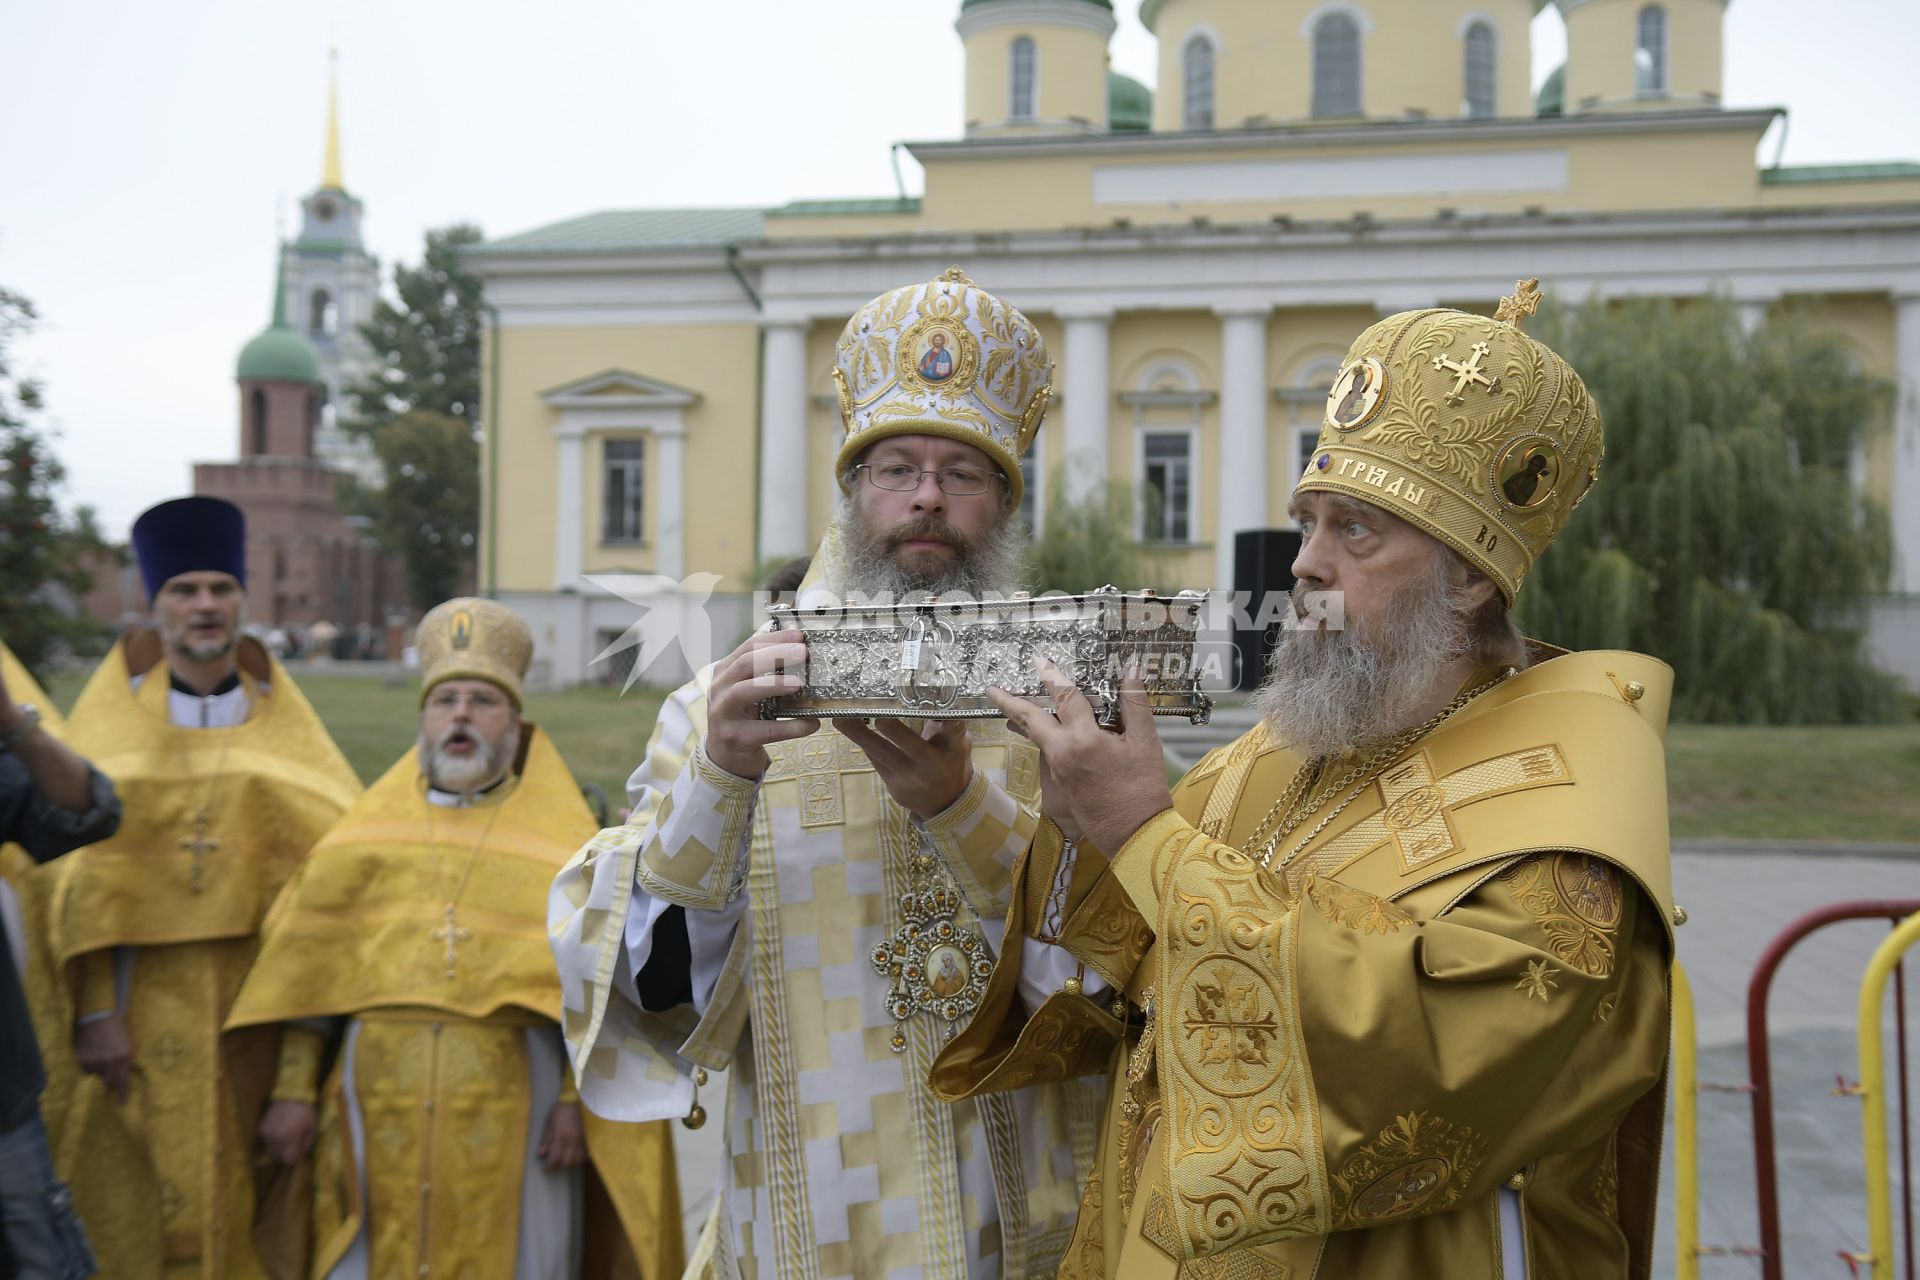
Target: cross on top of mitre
1521,303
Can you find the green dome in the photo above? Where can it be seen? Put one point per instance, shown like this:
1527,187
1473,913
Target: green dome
278,355
1129,104
1552,98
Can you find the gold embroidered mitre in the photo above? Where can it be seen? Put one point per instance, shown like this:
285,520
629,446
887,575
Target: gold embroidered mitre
473,639
945,358
1465,427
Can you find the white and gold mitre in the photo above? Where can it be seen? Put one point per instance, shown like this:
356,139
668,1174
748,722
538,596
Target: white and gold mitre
945,358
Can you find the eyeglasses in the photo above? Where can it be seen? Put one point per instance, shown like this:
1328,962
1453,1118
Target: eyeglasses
904,477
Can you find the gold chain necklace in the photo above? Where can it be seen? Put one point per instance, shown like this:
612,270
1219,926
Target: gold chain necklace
450,933
1291,813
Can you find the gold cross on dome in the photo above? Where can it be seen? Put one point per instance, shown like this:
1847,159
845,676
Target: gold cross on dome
1466,375
199,844
452,934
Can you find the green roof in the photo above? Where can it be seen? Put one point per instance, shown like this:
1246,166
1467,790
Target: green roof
1552,98
618,229
280,353
846,208
1868,172
1129,104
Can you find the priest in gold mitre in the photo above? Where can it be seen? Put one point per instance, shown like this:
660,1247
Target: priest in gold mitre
228,777
758,908
1393,965
410,954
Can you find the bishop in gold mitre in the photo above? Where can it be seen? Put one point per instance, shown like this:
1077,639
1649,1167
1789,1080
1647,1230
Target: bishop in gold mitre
408,960
1386,978
227,777
748,913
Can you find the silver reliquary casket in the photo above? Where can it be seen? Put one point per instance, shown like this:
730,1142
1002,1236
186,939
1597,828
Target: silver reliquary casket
935,660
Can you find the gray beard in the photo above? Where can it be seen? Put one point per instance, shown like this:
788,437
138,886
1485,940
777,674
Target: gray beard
463,775
992,566
1329,692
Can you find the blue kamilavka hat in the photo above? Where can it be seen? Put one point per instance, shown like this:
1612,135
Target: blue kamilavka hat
190,535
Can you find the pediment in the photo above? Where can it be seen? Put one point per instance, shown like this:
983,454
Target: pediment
619,389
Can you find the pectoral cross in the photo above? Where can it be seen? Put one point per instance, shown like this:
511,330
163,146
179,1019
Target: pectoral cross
199,844
452,934
1466,375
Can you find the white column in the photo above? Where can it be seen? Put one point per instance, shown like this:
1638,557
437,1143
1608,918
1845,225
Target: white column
670,528
1243,434
1087,388
1904,498
783,442
569,499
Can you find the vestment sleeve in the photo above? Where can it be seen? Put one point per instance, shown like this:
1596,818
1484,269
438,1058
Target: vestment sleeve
1352,1064
44,829
297,1076
980,836
684,843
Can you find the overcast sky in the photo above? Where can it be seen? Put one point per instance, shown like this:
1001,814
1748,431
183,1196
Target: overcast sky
151,151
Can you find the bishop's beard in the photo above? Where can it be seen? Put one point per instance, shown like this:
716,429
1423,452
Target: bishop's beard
464,774
875,567
1329,692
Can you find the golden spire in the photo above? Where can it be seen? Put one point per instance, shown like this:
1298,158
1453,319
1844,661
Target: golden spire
330,168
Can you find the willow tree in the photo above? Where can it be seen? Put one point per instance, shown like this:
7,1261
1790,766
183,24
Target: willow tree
1726,535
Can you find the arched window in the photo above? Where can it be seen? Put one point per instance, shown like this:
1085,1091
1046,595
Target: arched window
257,421
1336,66
1480,56
1196,81
1020,76
1650,51
323,318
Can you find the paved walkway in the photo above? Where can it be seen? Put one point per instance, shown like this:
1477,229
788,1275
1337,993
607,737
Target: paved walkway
1736,900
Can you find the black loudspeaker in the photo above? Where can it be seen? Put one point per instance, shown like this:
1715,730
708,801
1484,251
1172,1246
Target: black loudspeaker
1262,565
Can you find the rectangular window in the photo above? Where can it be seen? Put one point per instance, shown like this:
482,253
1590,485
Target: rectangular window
1167,473
1021,74
624,491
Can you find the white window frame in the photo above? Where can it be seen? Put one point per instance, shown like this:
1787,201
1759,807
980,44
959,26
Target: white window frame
1311,30
1014,48
1652,76
1468,25
1199,37
636,492
1191,435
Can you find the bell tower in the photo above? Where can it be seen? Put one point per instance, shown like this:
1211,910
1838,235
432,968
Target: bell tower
1036,67
331,283
1642,55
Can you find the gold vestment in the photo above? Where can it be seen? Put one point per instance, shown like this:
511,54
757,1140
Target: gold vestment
1458,984
426,925
164,1182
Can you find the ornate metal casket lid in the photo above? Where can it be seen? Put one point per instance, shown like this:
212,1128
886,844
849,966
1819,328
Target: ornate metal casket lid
935,659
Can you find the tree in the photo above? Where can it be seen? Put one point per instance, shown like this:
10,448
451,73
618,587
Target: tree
419,406
427,347
1725,535
430,508
1089,537
43,555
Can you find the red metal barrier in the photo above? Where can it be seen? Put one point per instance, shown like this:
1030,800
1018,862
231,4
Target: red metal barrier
1760,1067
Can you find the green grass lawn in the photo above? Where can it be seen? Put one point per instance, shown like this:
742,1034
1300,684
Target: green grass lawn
1789,784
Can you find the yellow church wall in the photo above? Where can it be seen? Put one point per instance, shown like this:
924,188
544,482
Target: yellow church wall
1070,77
1650,171
825,431
1255,72
1807,195
716,361
1138,343
1415,59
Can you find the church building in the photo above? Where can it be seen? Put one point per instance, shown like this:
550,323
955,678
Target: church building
657,389
307,561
